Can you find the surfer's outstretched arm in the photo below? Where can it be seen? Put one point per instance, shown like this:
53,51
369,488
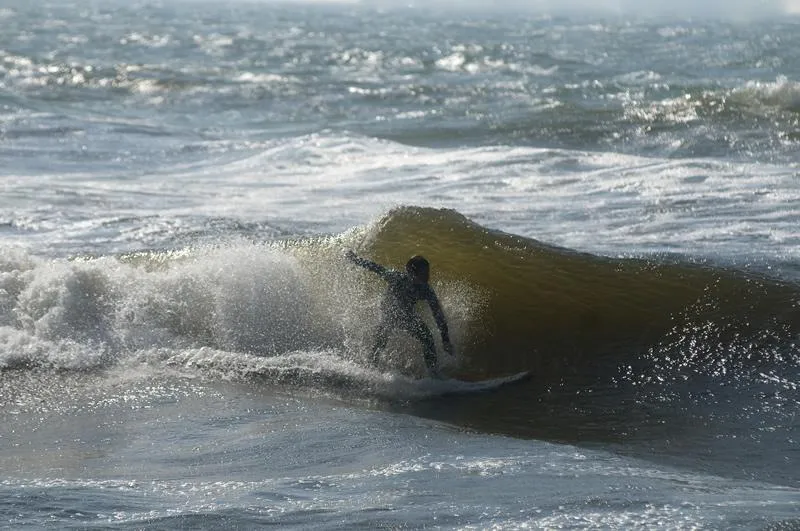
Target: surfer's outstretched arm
366,264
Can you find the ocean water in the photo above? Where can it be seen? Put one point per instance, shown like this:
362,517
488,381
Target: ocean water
610,200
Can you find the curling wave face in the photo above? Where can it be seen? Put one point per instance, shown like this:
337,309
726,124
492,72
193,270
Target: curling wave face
514,303
552,310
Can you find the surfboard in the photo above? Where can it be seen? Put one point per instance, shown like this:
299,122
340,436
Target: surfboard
454,386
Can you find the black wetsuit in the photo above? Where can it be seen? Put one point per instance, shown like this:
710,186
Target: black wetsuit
398,310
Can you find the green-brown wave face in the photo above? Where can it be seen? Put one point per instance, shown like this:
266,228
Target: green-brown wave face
513,303
555,311
614,346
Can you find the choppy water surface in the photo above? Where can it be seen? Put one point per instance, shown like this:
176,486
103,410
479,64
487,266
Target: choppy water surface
609,202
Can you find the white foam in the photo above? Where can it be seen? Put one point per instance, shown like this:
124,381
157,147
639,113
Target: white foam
781,94
605,203
237,300
600,202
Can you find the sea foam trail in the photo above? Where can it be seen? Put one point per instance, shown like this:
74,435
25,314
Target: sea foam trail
255,299
83,312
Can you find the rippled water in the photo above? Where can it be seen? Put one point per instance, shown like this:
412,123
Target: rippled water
181,345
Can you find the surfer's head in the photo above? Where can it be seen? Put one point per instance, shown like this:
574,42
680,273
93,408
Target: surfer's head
419,268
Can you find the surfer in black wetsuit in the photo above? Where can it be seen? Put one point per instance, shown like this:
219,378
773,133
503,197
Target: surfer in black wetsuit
402,294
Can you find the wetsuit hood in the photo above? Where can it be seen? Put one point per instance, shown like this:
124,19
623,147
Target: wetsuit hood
419,267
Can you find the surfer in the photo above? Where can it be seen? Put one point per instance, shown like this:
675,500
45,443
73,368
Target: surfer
397,308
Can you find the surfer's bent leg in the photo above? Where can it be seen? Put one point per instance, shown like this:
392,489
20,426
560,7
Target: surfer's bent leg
420,330
381,338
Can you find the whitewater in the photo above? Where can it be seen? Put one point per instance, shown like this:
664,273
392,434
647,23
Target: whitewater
608,198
